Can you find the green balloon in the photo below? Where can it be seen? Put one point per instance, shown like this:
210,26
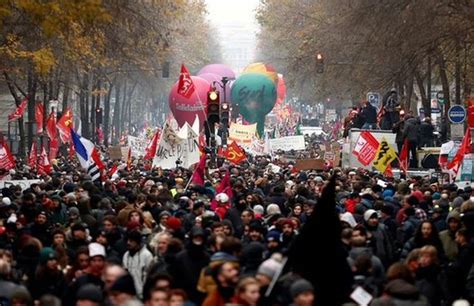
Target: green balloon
255,94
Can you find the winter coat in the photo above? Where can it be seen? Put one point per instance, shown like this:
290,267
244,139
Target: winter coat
383,247
411,131
377,266
48,283
186,269
398,128
206,283
426,131
137,265
407,230
400,293
233,215
368,113
431,281
449,244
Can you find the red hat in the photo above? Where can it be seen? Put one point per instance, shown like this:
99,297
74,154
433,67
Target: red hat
173,223
288,222
419,195
133,225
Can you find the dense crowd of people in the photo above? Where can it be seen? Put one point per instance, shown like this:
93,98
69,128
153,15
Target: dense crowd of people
147,237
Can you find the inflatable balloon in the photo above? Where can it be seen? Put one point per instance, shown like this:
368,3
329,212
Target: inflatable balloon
263,68
185,109
219,69
211,78
255,94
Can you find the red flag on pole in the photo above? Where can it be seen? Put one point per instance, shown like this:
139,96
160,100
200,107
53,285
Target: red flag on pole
51,126
44,167
455,164
33,157
18,113
198,175
185,85
39,115
64,126
404,156
365,148
7,161
152,146
53,148
235,153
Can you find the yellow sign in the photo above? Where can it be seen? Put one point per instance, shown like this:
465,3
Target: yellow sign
242,134
384,156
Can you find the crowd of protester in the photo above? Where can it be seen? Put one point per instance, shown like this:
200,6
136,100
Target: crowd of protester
147,237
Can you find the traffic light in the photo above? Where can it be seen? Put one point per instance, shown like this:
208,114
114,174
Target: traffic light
225,111
213,107
319,63
98,116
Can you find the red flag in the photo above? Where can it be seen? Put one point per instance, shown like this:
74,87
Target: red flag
404,156
380,115
51,126
235,153
64,126
152,146
18,113
33,158
44,167
100,135
53,148
198,175
455,164
7,161
129,159
365,148
112,170
39,115
224,187
388,172
185,85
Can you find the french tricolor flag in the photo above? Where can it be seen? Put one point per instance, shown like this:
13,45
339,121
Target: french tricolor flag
88,156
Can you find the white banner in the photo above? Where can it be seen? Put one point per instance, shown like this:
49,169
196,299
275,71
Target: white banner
138,146
173,148
24,184
287,143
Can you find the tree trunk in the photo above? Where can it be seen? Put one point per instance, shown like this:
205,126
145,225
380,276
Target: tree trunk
115,120
428,80
107,114
457,75
444,81
93,105
32,86
424,98
84,94
409,94
17,98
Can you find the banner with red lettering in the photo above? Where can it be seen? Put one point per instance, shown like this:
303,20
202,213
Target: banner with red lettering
365,148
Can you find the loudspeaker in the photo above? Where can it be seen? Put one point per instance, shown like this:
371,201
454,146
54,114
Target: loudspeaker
430,161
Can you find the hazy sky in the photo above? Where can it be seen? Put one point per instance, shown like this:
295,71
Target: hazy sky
237,27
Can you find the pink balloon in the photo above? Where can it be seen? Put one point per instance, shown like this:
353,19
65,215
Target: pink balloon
185,109
219,69
211,78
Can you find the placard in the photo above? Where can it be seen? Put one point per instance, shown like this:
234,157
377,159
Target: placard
115,152
310,164
288,143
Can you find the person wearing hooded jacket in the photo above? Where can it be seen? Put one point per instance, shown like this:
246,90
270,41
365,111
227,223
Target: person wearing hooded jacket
137,259
382,245
188,264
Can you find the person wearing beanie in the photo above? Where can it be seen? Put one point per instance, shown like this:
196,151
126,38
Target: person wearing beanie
448,236
124,290
89,295
40,228
302,293
137,259
48,278
273,243
267,271
380,240
226,276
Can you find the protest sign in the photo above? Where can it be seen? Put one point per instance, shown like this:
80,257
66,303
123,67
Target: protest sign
138,146
172,149
288,143
24,184
242,134
384,156
115,152
310,164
